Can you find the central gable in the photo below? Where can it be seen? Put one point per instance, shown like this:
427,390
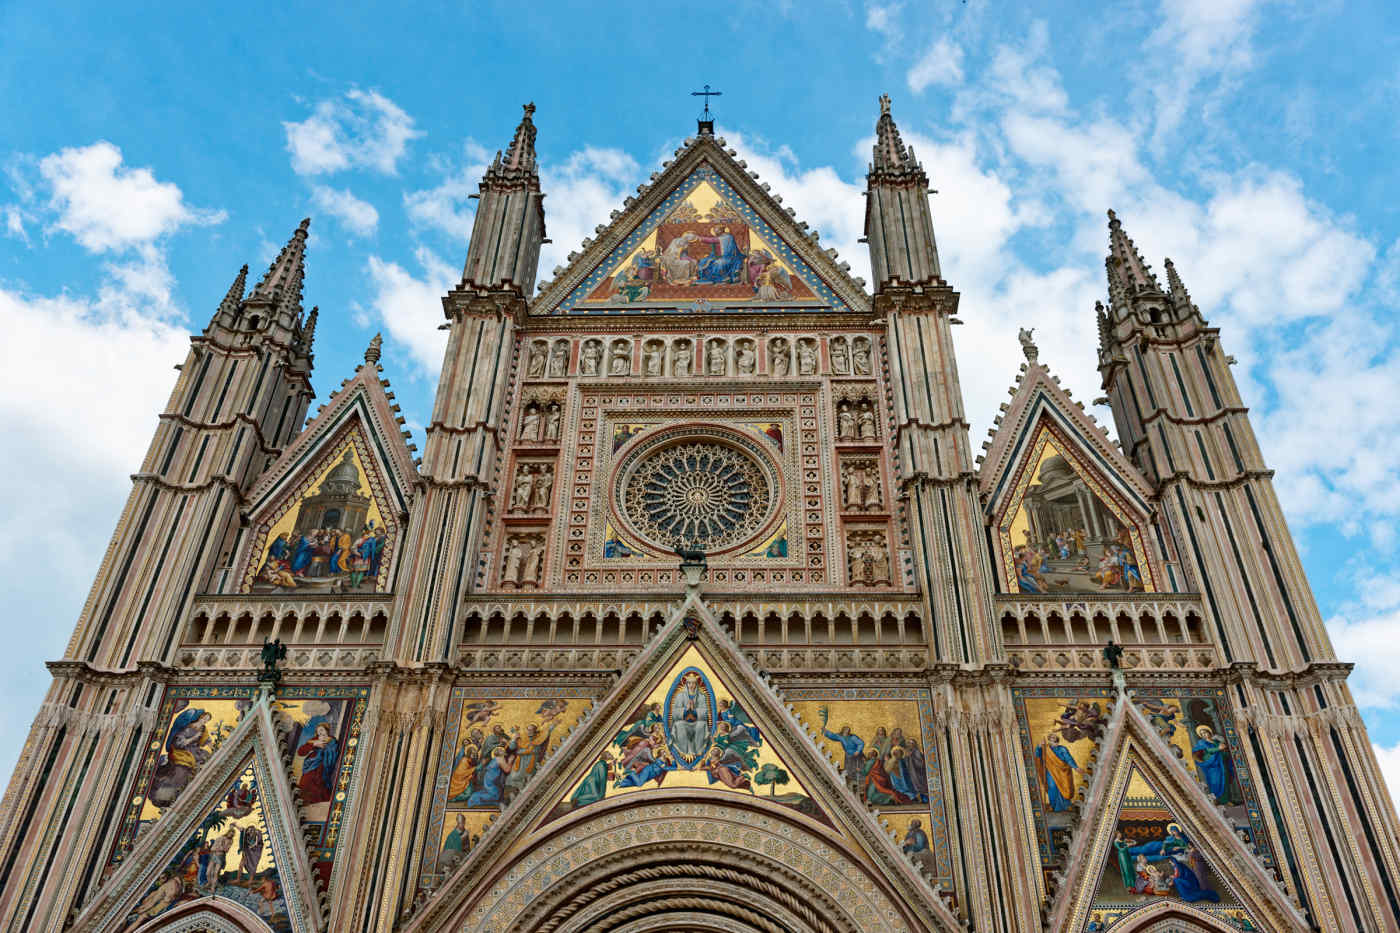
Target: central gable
705,238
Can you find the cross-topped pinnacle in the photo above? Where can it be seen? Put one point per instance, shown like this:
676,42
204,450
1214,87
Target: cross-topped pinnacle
706,120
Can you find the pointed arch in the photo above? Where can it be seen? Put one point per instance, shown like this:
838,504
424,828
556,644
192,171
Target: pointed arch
206,915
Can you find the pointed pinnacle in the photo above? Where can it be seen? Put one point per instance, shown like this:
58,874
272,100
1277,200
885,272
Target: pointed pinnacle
521,154
284,277
890,153
372,351
234,298
1176,287
308,331
1127,273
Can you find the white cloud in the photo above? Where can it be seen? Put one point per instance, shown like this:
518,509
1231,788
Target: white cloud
364,129
1197,40
940,65
108,206
1389,761
411,306
583,190
448,206
357,216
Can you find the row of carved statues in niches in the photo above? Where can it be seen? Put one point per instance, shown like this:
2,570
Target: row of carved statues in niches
868,558
680,357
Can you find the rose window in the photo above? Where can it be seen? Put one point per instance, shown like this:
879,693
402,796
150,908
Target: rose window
696,494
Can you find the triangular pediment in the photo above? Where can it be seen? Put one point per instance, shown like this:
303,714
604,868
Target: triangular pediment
703,237
1151,841
1069,512
329,513
690,725
231,842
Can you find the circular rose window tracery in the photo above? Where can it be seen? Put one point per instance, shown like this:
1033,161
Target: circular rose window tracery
702,493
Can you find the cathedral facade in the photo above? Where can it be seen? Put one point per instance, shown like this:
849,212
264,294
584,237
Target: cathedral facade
698,613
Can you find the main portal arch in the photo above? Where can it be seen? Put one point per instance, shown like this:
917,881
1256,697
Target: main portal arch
671,860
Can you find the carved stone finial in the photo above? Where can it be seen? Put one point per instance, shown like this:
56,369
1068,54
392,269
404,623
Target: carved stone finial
372,351
1028,346
884,105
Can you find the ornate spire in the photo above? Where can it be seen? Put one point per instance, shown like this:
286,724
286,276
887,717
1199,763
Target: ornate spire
372,351
1128,275
891,156
519,162
281,285
234,298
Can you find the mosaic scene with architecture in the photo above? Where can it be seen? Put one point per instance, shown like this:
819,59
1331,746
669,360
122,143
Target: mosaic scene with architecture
698,613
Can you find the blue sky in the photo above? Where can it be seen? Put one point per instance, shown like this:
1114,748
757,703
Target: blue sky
146,155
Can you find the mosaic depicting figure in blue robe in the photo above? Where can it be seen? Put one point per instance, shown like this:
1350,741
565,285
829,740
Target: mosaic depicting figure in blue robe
301,557
493,781
1189,885
725,264
1212,762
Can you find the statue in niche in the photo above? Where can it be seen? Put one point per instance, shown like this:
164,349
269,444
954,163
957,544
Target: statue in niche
716,363
539,352
867,559
541,483
866,419
530,423
806,357
590,357
680,358
554,417
745,357
860,356
862,485
559,359
778,358
520,490
845,422
522,560
621,363
651,358
840,356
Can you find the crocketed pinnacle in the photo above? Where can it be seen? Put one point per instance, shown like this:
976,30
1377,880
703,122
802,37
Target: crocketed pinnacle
891,156
1180,296
1128,275
519,162
372,351
234,298
308,330
281,286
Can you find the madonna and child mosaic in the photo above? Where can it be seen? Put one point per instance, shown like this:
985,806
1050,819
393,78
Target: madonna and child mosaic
1063,537
321,725
334,538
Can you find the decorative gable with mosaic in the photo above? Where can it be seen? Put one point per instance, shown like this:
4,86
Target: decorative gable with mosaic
704,248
